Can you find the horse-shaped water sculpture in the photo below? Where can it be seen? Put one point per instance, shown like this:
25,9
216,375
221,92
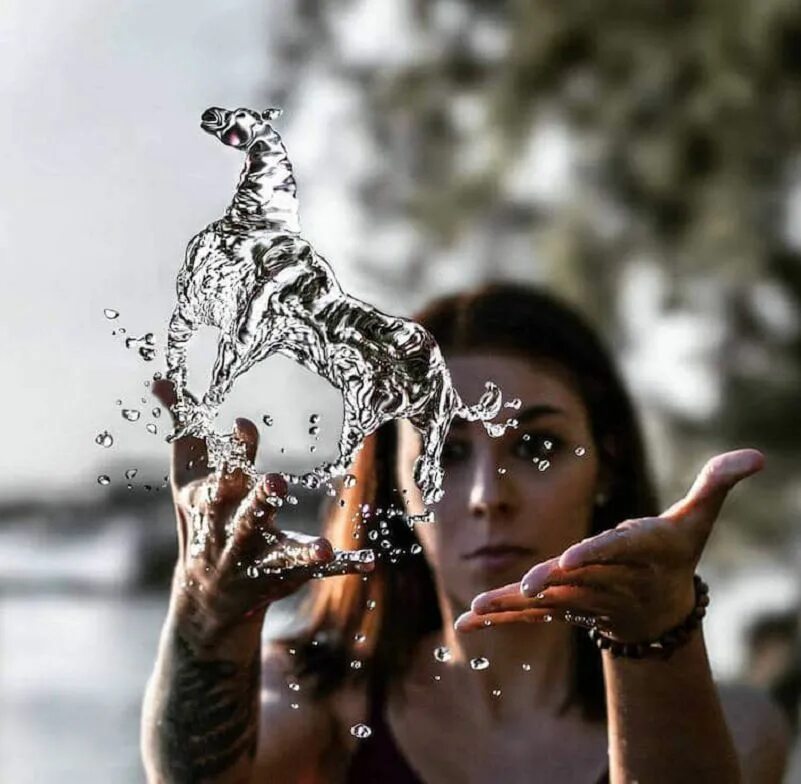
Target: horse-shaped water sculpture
252,276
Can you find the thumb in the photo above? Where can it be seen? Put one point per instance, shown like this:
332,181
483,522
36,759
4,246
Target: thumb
720,474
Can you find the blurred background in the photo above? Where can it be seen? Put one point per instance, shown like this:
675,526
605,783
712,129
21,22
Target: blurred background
643,160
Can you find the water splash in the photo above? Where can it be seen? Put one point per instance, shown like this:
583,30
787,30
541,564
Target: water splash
104,439
360,731
253,277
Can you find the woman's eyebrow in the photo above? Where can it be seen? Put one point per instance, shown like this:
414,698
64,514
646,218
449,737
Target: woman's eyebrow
533,412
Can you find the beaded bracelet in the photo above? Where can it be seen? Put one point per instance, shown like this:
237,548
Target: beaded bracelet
664,646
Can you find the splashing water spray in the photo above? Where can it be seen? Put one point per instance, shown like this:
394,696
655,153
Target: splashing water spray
253,277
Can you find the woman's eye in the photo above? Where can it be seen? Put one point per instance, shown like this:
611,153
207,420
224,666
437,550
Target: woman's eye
536,445
454,451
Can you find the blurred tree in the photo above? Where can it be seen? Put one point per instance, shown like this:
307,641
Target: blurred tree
640,158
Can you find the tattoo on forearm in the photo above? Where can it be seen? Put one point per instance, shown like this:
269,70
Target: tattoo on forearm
209,719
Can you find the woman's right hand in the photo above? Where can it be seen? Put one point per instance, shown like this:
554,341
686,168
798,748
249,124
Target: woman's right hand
232,560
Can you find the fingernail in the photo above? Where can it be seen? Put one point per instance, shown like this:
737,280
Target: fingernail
460,620
275,484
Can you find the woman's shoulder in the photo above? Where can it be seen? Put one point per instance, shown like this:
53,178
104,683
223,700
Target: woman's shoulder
759,730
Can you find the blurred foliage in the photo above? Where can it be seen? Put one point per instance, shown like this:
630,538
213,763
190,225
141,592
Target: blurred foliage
681,123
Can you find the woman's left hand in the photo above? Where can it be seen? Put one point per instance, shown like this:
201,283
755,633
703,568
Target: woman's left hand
635,580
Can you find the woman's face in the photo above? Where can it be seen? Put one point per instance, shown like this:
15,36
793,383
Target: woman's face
512,501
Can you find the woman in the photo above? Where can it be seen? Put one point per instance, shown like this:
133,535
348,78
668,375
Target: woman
464,656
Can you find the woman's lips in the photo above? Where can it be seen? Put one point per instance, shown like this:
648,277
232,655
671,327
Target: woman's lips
498,556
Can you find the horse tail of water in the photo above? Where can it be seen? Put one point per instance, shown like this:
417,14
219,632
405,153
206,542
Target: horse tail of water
488,406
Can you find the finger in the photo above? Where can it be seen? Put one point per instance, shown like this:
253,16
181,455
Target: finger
248,435
500,598
349,562
189,454
511,598
470,621
298,551
720,474
578,600
254,519
621,545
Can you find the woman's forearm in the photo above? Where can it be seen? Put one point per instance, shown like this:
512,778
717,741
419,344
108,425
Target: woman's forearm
665,720
200,718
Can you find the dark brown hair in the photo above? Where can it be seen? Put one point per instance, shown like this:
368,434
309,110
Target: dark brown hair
397,605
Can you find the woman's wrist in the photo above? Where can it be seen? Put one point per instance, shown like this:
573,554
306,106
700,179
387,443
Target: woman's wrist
208,628
664,644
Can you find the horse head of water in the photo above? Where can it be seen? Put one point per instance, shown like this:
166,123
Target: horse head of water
238,128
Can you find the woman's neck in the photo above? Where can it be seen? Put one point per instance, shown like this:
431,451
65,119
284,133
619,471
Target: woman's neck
531,664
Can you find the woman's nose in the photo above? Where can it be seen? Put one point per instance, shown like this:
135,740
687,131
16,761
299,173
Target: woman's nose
491,493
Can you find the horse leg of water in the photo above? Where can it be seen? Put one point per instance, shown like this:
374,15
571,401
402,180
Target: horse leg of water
223,373
428,473
180,332
350,441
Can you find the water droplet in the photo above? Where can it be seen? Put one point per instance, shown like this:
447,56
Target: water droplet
292,500
415,549
156,412
547,618
104,439
580,451
148,354
370,604
341,503
355,664
151,428
311,481
295,686
349,480
359,638
479,663
544,465
501,471
252,571
540,595
496,693
360,731
526,667
314,431
268,420
314,419
443,654
487,622
548,445
131,473
103,480
131,414
294,706
110,314
118,402
514,403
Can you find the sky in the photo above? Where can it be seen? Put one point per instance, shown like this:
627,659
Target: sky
105,176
